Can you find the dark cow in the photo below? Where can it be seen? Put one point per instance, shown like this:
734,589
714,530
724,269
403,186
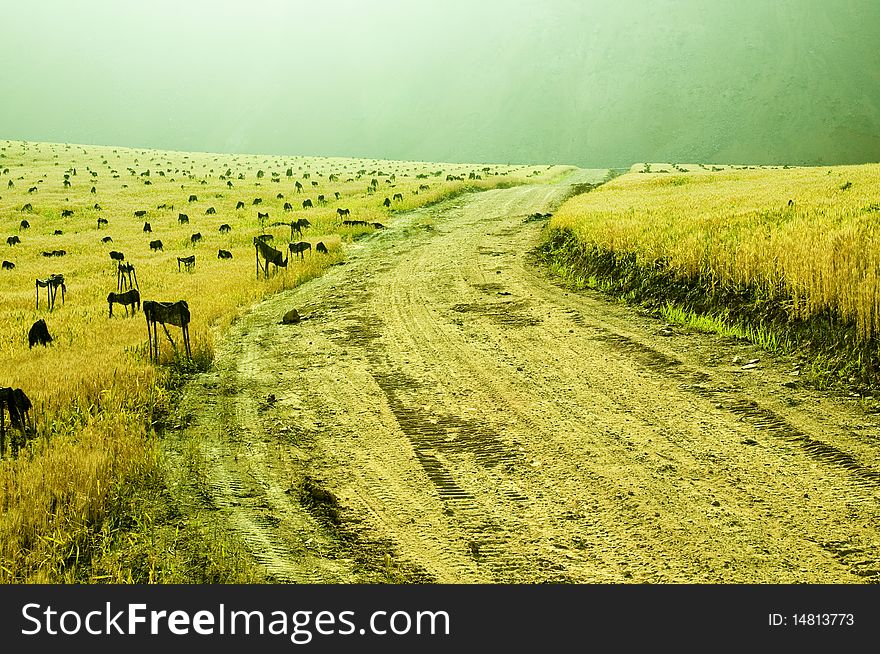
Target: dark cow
106,239
225,228
210,211
239,205
156,245
269,255
262,216
28,207
307,203
193,198
321,199
18,405
171,313
102,221
398,197
39,334
343,212
257,201
32,189
140,214
24,225
130,298
8,265
299,187
387,202
189,263
66,213
288,206
320,247
378,225
57,232
182,218
148,228
52,283
97,207
224,254
265,238
299,248
117,256
195,238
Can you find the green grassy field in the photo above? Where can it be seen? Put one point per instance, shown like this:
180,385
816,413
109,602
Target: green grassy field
786,257
87,500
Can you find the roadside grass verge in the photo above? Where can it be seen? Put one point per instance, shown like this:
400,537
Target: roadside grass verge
726,252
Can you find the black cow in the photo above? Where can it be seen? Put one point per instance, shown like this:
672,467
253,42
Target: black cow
18,405
193,198
140,214
224,254
102,221
210,211
57,232
262,216
225,228
106,239
299,248
24,225
66,213
8,265
320,247
28,207
343,212
156,245
307,203
378,225
195,238
387,202
117,256
258,201
189,263
182,218
288,206
39,334
148,228
239,205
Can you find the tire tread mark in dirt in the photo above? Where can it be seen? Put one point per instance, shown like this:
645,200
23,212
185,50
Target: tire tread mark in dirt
863,481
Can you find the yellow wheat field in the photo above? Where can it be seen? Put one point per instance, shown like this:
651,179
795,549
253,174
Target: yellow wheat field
734,226
94,390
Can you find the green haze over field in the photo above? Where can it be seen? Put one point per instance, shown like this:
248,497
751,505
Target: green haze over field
551,81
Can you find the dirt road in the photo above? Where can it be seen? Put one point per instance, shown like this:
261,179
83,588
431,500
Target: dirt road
447,403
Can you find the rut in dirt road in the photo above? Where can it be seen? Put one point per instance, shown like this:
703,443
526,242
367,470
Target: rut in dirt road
449,404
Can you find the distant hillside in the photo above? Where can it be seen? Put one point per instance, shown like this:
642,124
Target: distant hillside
788,81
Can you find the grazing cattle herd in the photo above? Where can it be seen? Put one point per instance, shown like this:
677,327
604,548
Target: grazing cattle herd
271,252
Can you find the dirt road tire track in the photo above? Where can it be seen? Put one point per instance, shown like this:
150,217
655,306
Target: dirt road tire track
459,410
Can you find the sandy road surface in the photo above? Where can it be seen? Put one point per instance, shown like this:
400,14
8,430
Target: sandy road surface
449,404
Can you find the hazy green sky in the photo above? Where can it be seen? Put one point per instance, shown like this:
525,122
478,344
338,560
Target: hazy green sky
594,83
